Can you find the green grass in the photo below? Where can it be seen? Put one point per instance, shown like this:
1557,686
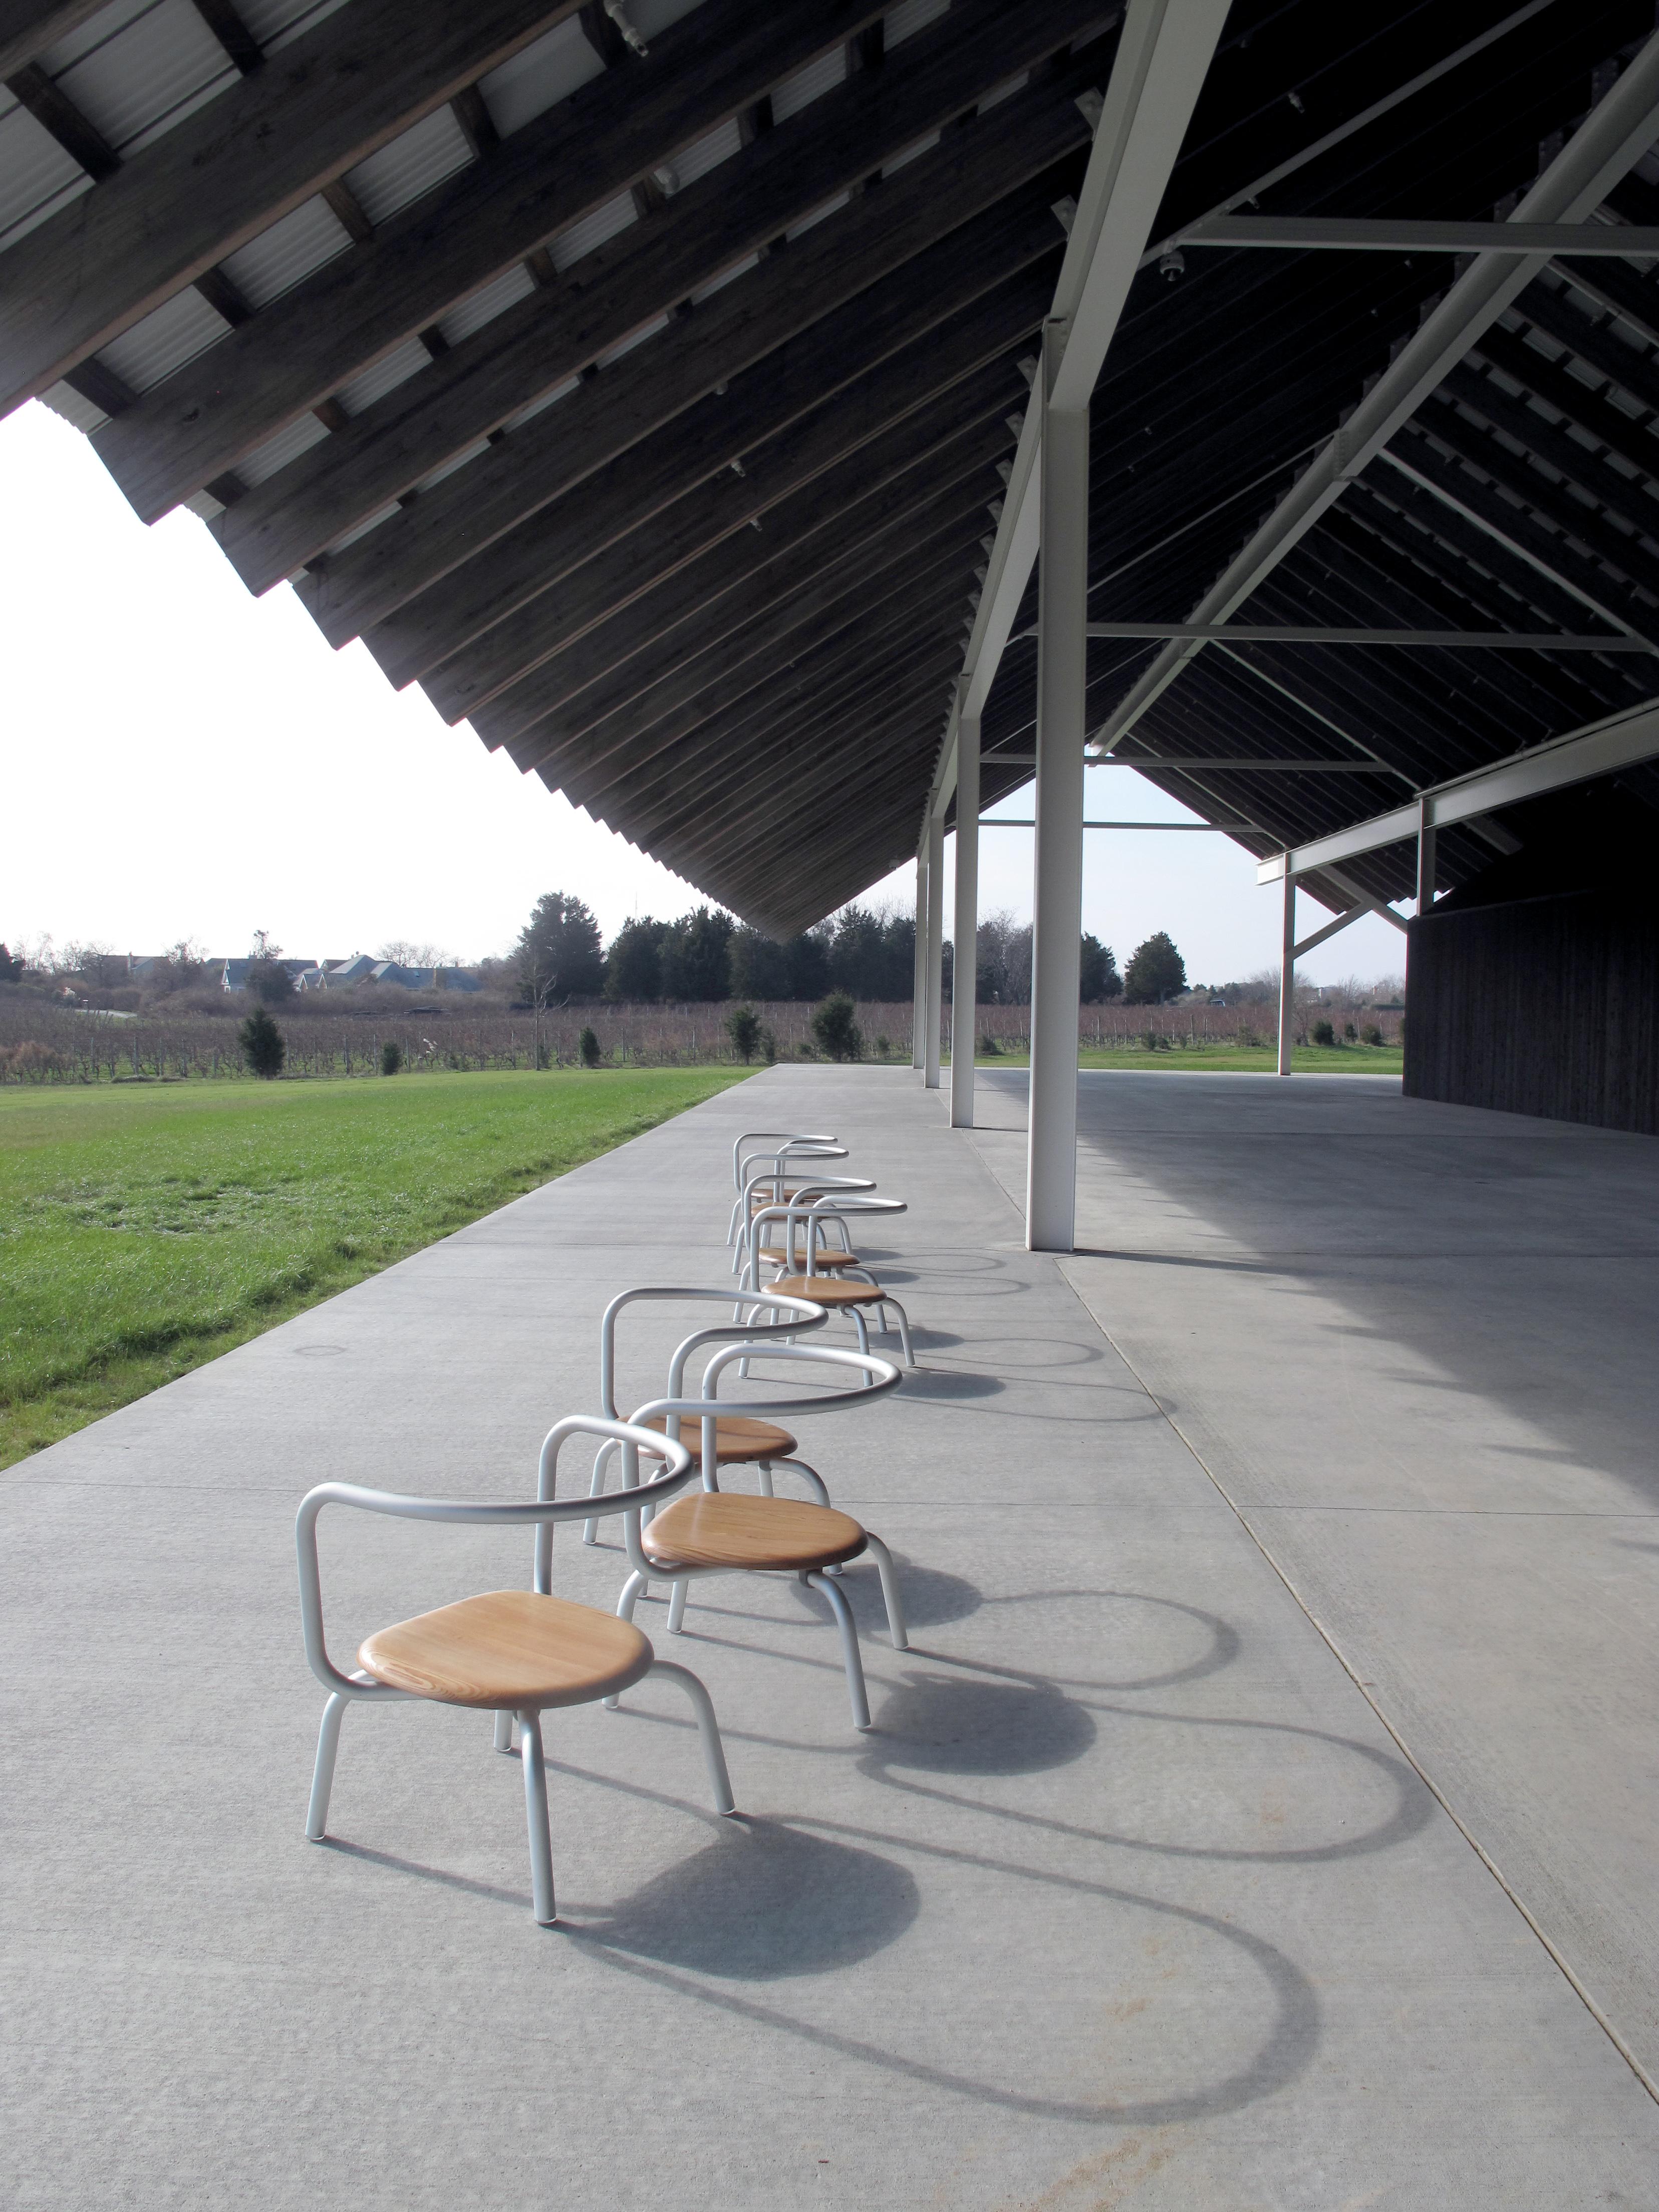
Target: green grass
1231,1059
144,1229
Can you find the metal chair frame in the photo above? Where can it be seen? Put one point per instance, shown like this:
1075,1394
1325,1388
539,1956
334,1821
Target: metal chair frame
802,1315
789,1148
545,1513
812,1210
756,1198
881,1376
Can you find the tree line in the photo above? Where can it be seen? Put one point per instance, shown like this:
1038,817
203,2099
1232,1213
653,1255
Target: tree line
705,955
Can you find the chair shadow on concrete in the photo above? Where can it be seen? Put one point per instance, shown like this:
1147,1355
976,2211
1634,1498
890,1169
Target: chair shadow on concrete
762,1902
949,1382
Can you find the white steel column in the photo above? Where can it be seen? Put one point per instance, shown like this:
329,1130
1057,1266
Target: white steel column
1057,890
964,1005
919,988
1287,977
935,976
1425,856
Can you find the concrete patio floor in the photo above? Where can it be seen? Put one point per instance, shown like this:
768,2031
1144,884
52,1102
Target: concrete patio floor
1131,1896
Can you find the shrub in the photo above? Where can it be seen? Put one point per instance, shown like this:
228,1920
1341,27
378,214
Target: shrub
833,1027
1323,1033
742,1027
883,1047
989,1049
768,1047
588,1045
1372,1035
392,1057
1350,1033
262,1044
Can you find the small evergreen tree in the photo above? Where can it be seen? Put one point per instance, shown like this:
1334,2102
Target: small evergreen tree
1156,972
11,967
833,1025
742,1027
588,1045
1323,1033
558,954
768,1046
262,1044
633,965
392,1056
1097,976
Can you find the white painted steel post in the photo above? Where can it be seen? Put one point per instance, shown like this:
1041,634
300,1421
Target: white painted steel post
1425,856
964,985
919,988
1287,974
1057,890
935,948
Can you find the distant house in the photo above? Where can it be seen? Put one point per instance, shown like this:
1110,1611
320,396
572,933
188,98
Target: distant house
350,971
424,979
234,977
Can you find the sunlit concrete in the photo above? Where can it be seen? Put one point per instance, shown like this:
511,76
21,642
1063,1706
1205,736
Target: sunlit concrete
1129,1897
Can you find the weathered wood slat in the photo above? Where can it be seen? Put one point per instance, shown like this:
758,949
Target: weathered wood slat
228,172
649,721
801,297
966,343
27,28
548,175
525,562
939,444
635,277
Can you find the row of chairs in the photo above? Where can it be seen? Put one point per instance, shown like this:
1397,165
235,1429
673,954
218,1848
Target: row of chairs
520,1653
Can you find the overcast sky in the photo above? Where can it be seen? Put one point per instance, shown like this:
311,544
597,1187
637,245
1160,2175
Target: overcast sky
183,761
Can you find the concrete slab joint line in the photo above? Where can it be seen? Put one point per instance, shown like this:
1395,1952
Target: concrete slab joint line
1128,1893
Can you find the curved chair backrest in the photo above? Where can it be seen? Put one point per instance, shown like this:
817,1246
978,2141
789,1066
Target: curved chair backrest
880,1376
813,1212
793,1316
779,1137
543,1511
755,1192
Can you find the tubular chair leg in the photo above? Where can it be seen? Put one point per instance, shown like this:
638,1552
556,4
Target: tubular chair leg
535,1803
809,1475
903,1328
596,1489
677,1596
763,1477
864,1333
708,1727
504,1731
897,1635
849,1648
322,1779
633,1590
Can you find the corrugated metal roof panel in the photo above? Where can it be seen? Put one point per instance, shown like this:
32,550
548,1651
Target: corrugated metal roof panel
412,164
808,84
811,221
172,333
593,230
627,345
456,461
64,400
394,368
547,399
727,276
899,161
651,17
136,85
272,264
911,16
37,177
97,31
707,153
539,77
275,22
485,305
276,453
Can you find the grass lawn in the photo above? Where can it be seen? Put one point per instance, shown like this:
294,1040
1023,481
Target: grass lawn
1231,1059
145,1228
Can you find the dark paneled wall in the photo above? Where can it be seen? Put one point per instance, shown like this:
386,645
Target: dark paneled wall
1539,1005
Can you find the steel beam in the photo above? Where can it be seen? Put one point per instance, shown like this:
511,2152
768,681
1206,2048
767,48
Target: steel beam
1483,641
1612,138
965,935
1599,749
1305,233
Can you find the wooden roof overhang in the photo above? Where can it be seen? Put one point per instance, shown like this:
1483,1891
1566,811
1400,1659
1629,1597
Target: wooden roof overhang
643,379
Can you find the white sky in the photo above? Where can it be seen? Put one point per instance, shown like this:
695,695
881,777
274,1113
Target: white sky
181,760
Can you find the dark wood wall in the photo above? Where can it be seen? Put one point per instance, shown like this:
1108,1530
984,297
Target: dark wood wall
1539,1005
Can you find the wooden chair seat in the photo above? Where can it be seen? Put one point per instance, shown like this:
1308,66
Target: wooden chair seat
721,1529
736,1438
509,1649
822,1292
829,1257
757,1199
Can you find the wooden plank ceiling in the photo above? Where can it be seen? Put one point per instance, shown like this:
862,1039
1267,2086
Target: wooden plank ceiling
640,378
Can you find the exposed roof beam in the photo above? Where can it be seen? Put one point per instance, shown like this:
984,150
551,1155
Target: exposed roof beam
878,331
1612,138
56,114
1601,749
1164,48
550,173
1170,762
227,25
1309,233
180,205
1315,634
27,28
879,274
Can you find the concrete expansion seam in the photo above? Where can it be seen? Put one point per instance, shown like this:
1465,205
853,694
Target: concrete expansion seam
1337,1653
